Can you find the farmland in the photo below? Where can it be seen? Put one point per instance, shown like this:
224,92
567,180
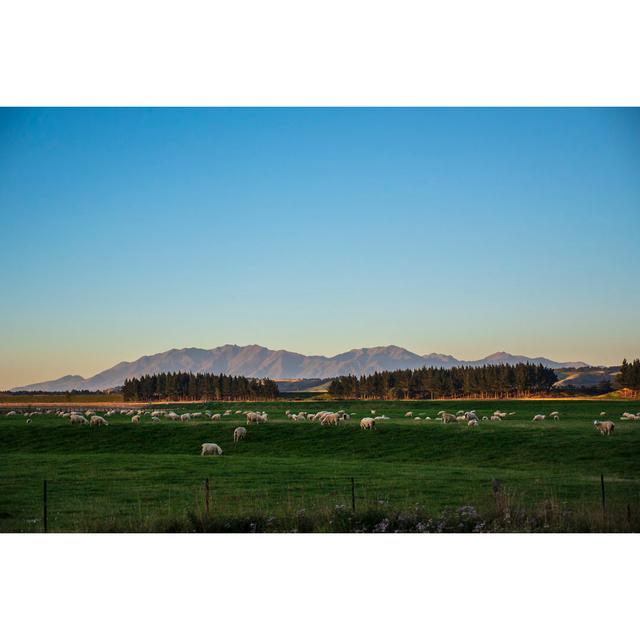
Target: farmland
149,477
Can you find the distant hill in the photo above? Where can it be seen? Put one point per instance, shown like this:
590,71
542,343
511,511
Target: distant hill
255,361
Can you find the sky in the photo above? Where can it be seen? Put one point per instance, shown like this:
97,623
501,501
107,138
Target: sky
126,232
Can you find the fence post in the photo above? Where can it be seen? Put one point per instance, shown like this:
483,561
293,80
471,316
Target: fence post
602,490
353,494
206,497
45,524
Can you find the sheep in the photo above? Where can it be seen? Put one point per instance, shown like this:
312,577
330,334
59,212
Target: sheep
367,423
76,418
28,420
605,428
173,416
539,417
553,414
629,416
240,433
185,417
496,419
427,418
216,416
373,411
330,418
252,416
485,418
210,449
155,419
500,414
473,423
461,419
135,419
238,412
417,418
448,417
97,421
471,415
408,414
603,413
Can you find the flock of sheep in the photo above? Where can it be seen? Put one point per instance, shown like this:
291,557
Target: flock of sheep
326,418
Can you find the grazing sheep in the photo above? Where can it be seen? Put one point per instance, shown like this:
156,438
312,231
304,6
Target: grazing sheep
605,428
135,419
252,416
408,414
240,433
461,419
448,417
210,449
155,419
12,413
367,423
216,416
330,418
603,413
496,419
76,418
427,418
554,414
538,417
185,417
373,411
173,416
473,423
97,421
417,418
471,415
500,414
238,412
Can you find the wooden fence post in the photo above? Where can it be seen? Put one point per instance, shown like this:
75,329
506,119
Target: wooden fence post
206,497
45,524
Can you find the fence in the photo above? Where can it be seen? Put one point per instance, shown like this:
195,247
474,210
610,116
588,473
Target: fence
98,503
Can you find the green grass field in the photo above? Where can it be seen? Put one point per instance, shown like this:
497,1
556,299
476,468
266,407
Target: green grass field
127,477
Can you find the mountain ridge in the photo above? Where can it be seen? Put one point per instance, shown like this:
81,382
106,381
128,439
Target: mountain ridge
256,361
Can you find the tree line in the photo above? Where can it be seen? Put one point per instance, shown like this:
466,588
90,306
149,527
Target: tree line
495,381
629,375
197,386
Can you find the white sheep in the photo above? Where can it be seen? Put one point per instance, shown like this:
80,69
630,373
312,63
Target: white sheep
473,423
408,414
210,449
97,421
155,419
185,417
76,418
496,419
135,419
216,416
417,418
448,417
240,433
539,417
367,423
605,428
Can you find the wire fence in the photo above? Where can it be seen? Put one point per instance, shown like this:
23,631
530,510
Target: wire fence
84,504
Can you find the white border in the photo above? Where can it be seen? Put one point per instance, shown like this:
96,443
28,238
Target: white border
319,586
329,52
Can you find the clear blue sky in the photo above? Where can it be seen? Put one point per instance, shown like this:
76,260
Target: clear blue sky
130,231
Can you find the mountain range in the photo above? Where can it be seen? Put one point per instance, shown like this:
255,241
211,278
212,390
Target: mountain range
259,362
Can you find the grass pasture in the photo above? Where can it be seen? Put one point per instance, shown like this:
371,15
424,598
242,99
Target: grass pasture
128,477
